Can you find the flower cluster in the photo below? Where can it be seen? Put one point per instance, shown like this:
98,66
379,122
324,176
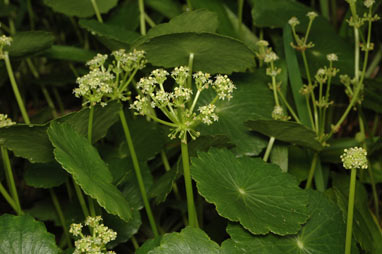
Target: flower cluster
178,106
301,42
96,243
5,121
354,158
4,41
103,83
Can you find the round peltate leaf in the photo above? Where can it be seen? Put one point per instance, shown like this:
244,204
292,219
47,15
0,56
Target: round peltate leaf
30,42
255,193
80,8
82,161
189,241
24,235
323,233
212,53
290,132
46,176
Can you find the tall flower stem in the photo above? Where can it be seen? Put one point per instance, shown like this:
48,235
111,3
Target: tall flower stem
10,179
8,198
349,224
311,171
61,217
96,10
138,173
192,217
15,88
81,199
269,148
240,15
142,17
90,135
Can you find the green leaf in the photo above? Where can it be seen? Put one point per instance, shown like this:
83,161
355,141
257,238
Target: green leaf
89,171
163,186
30,42
126,15
69,53
24,235
148,138
149,245
197,21
29,142
255,193
290,132
113,32
225,25
189,241
324,233
80,8
104,118
336,148
279,156
212,53
46,176
252,99
125,230
373,91
168,8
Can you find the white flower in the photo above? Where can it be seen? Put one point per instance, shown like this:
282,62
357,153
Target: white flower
5,121
180,74
97,61
262,43
182,93
354,158
368,3
207,114
202,80
147,85
332,57
312,14
160,75
278,113
293,21
270,57
223,87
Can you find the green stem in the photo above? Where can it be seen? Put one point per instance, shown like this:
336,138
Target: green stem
374,63
311,171
49,101
134,242
90,124
81,199
269,148
142,17
167,167
324,5
306,67
15,88
10,179
189,5
61,217
8,198
149,20
349,224
59,100
96,10
192,217
138,173
289,107
31,14
356,54
190,64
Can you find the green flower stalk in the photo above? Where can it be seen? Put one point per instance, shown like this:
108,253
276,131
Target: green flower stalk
352,159
96,242
182,110
5,42
13,199
105,83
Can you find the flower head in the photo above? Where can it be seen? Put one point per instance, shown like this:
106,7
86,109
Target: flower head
332,57
207,114
223,87
293,21
354,158
368,3
270,57
279,114
312,15
180,74
97,61
5,121
262,43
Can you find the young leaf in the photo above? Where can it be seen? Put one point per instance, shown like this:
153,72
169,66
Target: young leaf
189,241
286,131
80,8
212,53
255,193
90,172
24,235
